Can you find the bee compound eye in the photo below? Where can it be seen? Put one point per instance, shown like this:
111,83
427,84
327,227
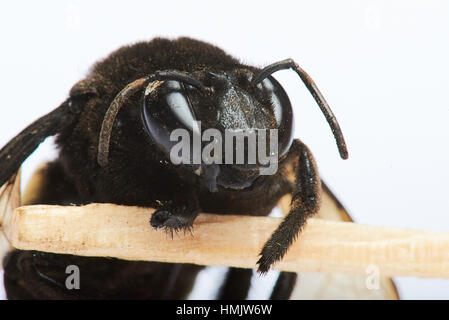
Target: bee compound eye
168,112
282,111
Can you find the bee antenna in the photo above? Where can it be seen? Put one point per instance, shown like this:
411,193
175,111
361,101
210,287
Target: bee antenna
311,86
109,119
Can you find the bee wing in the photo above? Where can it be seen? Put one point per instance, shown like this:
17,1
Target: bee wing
9,200
324,286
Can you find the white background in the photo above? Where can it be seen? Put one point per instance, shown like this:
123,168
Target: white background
382,66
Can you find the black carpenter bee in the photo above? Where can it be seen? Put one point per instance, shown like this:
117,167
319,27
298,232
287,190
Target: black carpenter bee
113,138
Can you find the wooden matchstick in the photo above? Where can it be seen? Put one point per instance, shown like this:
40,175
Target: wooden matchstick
323,246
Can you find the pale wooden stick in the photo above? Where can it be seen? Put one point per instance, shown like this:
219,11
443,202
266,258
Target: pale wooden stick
324,246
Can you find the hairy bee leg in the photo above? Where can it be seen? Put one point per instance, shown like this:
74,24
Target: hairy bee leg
177,214
174,219
305,203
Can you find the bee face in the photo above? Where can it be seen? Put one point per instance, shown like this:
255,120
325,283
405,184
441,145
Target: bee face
232,105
